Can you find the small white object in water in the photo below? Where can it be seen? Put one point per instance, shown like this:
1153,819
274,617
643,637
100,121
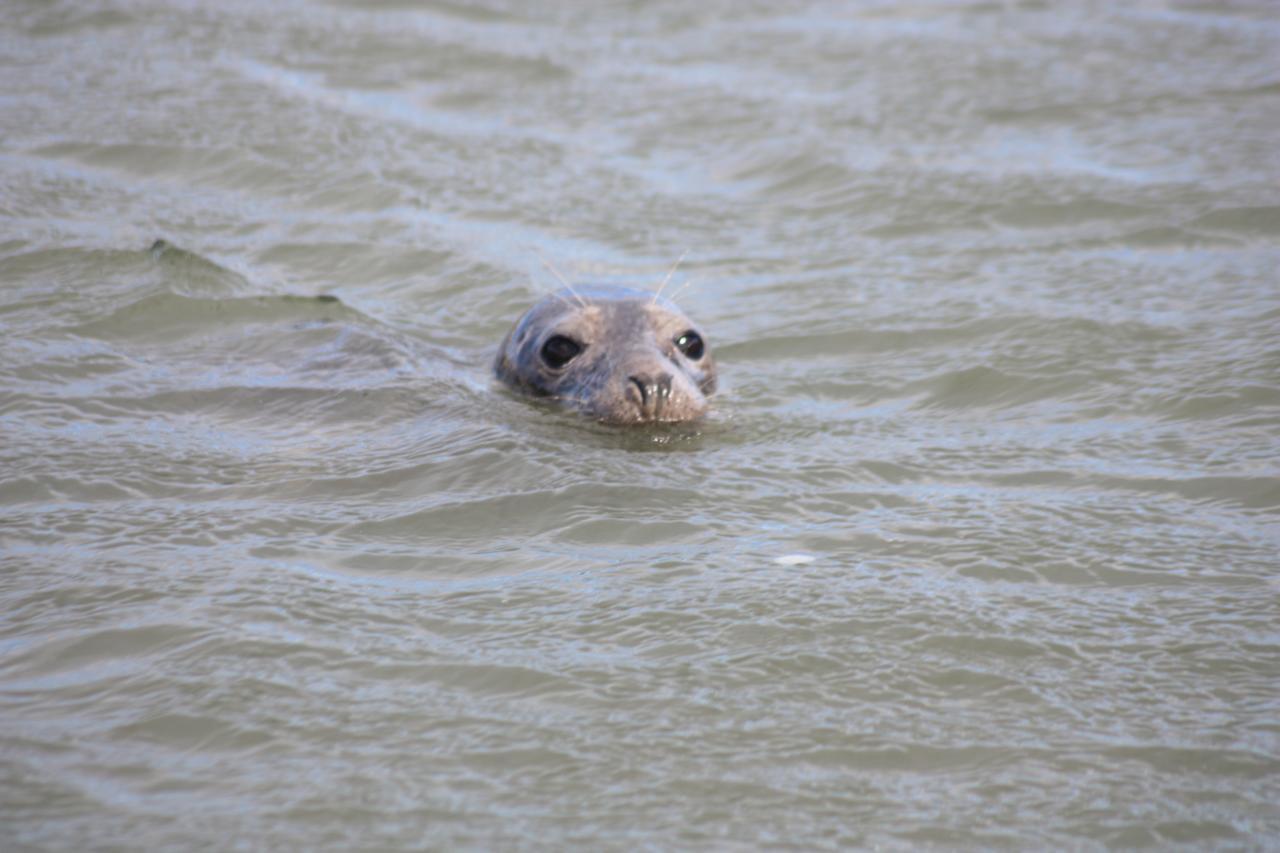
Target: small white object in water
794,559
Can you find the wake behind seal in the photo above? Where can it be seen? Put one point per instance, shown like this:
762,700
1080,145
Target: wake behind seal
619,355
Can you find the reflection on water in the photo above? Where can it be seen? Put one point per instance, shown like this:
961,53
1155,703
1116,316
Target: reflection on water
977,547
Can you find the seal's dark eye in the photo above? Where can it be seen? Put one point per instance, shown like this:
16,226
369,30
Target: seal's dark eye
559,351
690,343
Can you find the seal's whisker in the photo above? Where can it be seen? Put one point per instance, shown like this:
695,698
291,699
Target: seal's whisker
670,273
566,302
582,303
557,295
548,290
681,288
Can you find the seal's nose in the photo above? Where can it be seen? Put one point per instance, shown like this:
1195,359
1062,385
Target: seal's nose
655,391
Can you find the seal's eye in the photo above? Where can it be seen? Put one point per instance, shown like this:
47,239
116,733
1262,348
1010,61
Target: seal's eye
690,343
559,351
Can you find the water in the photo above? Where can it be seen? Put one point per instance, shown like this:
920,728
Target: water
979,547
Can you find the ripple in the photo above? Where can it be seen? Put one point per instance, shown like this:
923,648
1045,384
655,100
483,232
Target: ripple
978,548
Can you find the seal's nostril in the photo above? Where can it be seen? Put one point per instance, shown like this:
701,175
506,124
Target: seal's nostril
644,390
662,389
655,391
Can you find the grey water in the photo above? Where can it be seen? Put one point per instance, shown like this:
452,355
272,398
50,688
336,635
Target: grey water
979,547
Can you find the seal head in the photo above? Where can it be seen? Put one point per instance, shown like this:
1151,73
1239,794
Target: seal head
619,355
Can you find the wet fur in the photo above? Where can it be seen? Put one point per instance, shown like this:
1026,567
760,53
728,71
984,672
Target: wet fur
624,333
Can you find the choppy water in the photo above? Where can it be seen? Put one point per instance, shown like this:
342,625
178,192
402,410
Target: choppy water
979,548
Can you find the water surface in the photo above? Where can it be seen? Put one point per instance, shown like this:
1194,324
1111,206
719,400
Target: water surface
979,547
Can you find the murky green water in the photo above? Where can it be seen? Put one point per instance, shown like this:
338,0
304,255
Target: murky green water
980,547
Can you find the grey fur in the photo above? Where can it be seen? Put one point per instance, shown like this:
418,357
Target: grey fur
630,369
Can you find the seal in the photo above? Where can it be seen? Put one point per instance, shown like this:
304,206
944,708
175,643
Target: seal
619,355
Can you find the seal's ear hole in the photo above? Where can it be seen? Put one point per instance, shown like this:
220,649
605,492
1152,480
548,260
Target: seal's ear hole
559,351
690,343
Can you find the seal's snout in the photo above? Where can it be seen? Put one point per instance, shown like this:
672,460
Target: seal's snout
621,356
655,391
